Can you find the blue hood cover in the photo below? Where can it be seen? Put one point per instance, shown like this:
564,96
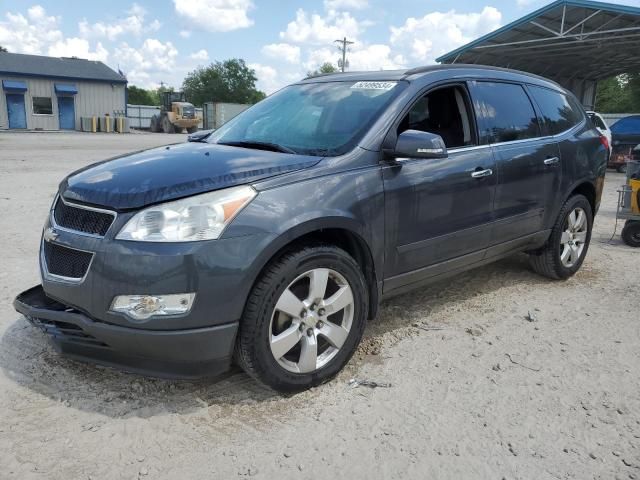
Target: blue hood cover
168,173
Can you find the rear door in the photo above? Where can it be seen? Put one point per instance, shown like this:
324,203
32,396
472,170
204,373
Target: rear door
527,161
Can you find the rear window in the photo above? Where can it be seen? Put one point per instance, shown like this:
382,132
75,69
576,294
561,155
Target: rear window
627,125
559,113
597,121
505,111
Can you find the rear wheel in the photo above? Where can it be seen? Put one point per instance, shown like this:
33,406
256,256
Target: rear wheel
192,129
631,233
304,319
568,243
622,168
178,129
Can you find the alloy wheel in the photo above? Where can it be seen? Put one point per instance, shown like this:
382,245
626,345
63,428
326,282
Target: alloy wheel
574,237
311,320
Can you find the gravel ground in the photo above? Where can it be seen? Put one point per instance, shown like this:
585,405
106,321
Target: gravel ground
477,390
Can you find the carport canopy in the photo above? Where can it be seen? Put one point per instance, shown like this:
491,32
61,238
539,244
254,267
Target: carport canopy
574,42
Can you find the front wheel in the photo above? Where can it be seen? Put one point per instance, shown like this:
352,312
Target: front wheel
568,243
631,233
304,319
622,168
192,129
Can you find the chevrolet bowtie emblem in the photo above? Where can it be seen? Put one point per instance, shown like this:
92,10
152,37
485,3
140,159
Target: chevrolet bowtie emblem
50,235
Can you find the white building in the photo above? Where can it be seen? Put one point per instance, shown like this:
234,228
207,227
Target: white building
47,93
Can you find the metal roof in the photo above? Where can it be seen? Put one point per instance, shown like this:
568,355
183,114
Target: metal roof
62,68
566,40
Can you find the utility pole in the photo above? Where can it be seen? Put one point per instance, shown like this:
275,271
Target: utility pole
343,44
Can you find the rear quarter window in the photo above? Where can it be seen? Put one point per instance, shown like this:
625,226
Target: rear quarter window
559,112
505,112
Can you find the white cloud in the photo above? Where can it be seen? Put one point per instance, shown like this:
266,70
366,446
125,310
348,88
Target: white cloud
346,4
32,33
200,55
215,15
133,24
362,57
439,32
148,65
78,47
267,76
315,29
282,51
185,33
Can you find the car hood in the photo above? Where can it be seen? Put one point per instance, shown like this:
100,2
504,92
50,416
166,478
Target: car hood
175,171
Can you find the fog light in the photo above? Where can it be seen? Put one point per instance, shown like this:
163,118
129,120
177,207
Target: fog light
141,307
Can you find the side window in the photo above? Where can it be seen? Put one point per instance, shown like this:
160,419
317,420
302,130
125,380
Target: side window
445,112
597,121
558,111
505,112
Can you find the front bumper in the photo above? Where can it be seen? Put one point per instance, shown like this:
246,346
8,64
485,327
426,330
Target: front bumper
191,353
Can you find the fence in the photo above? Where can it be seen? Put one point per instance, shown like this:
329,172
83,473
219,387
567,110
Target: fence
140,115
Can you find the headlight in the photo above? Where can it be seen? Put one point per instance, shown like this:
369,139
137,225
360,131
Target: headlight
201,217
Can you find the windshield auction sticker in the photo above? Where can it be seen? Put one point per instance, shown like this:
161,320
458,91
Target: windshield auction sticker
374,85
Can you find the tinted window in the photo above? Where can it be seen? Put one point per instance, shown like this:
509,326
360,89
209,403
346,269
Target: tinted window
444,112
627,125
558,112
505,111
324,118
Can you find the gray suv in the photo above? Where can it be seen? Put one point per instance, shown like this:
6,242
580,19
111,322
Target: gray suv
273,240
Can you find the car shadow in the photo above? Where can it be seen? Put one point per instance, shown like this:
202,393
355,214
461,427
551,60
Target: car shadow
28,358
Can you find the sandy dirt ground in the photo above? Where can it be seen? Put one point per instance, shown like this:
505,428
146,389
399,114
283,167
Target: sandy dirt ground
477,390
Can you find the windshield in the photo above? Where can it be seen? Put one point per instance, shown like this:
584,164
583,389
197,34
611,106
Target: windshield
326,119
627,125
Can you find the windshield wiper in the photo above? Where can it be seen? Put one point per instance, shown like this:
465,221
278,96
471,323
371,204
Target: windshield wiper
273,147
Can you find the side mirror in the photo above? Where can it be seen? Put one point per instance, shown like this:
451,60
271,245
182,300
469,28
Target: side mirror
418,144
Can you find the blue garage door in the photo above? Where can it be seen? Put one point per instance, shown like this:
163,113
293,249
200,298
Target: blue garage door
16,111
66,113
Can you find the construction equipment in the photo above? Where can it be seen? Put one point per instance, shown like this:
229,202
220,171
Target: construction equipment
176,114
629,205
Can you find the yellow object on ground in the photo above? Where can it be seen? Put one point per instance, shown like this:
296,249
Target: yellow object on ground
635,187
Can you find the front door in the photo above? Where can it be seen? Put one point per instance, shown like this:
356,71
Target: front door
66,113
438,211
16,111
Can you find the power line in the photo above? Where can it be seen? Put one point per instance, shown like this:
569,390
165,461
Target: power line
344,43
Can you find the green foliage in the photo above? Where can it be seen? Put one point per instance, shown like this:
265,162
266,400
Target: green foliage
140,96
229,81
2,49
324,68
619,94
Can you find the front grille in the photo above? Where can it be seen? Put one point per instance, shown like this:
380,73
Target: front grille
66,331
75,217
66,262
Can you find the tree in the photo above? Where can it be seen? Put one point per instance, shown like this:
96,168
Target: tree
619,94
324,68
140,96
2,49
229,81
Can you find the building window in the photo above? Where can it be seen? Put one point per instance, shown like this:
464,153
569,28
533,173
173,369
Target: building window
42,106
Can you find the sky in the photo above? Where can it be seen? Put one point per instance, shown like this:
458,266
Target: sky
160,41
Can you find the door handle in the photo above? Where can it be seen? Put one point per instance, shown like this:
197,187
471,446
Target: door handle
551,161
482,173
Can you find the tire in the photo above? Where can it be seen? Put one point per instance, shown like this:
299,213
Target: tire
262,322
631,233
192,129
167,126
622,168
550,261
155,124
178,129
